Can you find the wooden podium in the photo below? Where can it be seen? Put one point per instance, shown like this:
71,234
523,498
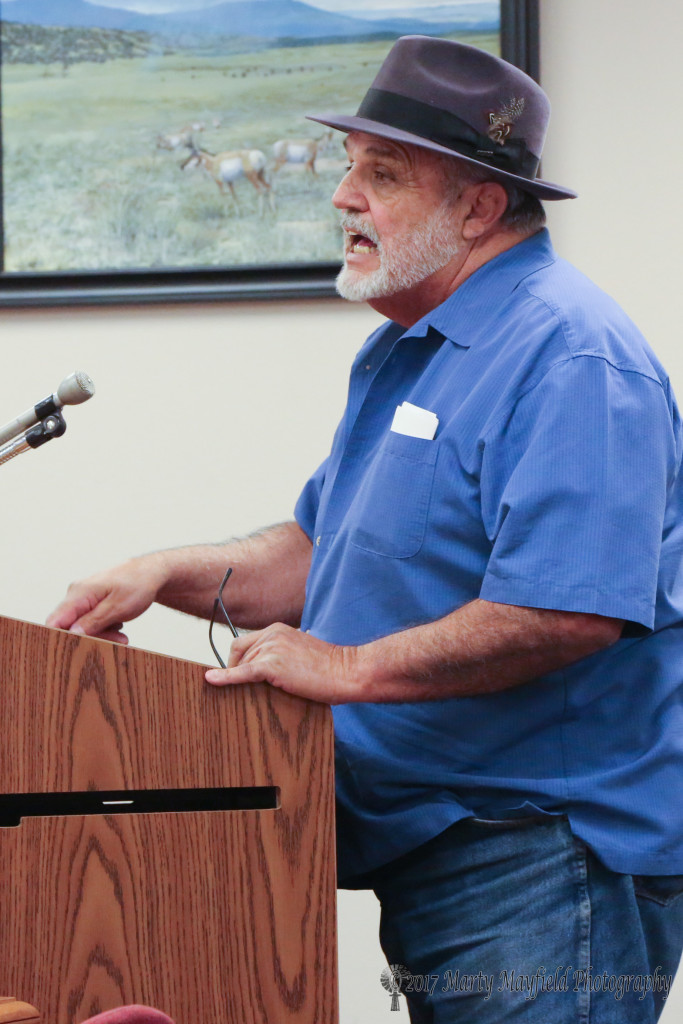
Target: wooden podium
176,841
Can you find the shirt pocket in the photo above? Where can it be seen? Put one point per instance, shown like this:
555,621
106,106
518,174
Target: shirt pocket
390,509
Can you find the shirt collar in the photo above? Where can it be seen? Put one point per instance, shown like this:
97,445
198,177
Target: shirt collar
456,316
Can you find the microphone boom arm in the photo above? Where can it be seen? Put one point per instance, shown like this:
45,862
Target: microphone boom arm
53,425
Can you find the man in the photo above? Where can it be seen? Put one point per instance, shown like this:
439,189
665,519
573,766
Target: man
483,577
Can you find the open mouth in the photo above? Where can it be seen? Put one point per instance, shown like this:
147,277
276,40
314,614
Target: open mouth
360,244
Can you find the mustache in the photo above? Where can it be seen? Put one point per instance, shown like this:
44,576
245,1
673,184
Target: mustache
355,222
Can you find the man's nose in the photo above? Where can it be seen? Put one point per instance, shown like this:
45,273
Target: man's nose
349,196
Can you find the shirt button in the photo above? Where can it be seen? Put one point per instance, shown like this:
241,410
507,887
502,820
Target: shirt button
368,366
317,542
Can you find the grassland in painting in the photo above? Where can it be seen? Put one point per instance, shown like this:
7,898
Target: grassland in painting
86,186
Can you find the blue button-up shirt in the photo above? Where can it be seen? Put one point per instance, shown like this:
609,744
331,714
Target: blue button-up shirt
552,482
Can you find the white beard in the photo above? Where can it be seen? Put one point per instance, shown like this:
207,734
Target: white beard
411,258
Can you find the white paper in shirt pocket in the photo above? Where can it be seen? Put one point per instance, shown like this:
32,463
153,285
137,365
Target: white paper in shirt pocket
415,422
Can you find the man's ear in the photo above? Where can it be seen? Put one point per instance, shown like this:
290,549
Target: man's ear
488,202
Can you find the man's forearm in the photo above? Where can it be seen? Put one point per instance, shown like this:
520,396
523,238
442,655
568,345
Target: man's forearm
482,647
268,583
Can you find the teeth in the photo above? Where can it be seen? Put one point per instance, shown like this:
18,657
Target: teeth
364,248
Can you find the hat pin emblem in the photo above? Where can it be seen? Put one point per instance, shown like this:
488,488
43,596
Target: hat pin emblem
501,122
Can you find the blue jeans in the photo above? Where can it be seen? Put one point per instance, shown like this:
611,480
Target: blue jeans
494,922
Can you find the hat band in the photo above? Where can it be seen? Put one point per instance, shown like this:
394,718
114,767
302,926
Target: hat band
447,129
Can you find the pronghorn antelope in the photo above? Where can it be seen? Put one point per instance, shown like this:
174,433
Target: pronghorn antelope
182,138
300,151
227,168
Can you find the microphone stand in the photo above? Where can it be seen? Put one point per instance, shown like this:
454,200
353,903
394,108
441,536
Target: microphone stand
51,426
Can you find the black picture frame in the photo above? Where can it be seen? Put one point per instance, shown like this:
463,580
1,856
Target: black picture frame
520,44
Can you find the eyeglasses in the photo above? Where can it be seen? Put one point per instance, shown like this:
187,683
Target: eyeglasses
218,603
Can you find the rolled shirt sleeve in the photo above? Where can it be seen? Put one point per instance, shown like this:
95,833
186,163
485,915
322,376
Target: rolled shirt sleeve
306,508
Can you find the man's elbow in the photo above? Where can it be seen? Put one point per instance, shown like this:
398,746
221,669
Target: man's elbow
592,633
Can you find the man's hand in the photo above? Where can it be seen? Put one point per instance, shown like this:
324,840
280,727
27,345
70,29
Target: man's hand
99,605
292,661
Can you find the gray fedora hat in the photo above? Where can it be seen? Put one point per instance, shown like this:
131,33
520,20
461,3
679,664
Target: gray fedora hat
456,99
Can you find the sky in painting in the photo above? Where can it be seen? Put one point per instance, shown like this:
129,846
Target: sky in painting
167,6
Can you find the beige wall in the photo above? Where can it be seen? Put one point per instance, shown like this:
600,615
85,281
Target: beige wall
208,419
205,424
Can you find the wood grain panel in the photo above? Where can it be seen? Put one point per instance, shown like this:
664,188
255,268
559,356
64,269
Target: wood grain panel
210,916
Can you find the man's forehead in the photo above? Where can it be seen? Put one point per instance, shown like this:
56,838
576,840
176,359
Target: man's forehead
375,145
415,158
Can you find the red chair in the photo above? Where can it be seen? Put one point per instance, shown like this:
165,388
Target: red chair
130,1015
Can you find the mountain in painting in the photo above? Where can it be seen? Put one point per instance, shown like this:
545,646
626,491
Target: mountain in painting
271,19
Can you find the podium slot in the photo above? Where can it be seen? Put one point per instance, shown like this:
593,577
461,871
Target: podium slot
15,806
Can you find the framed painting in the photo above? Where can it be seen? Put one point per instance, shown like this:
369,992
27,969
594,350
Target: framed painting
157,150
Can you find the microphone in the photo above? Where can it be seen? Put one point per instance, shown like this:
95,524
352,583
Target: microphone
74,389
